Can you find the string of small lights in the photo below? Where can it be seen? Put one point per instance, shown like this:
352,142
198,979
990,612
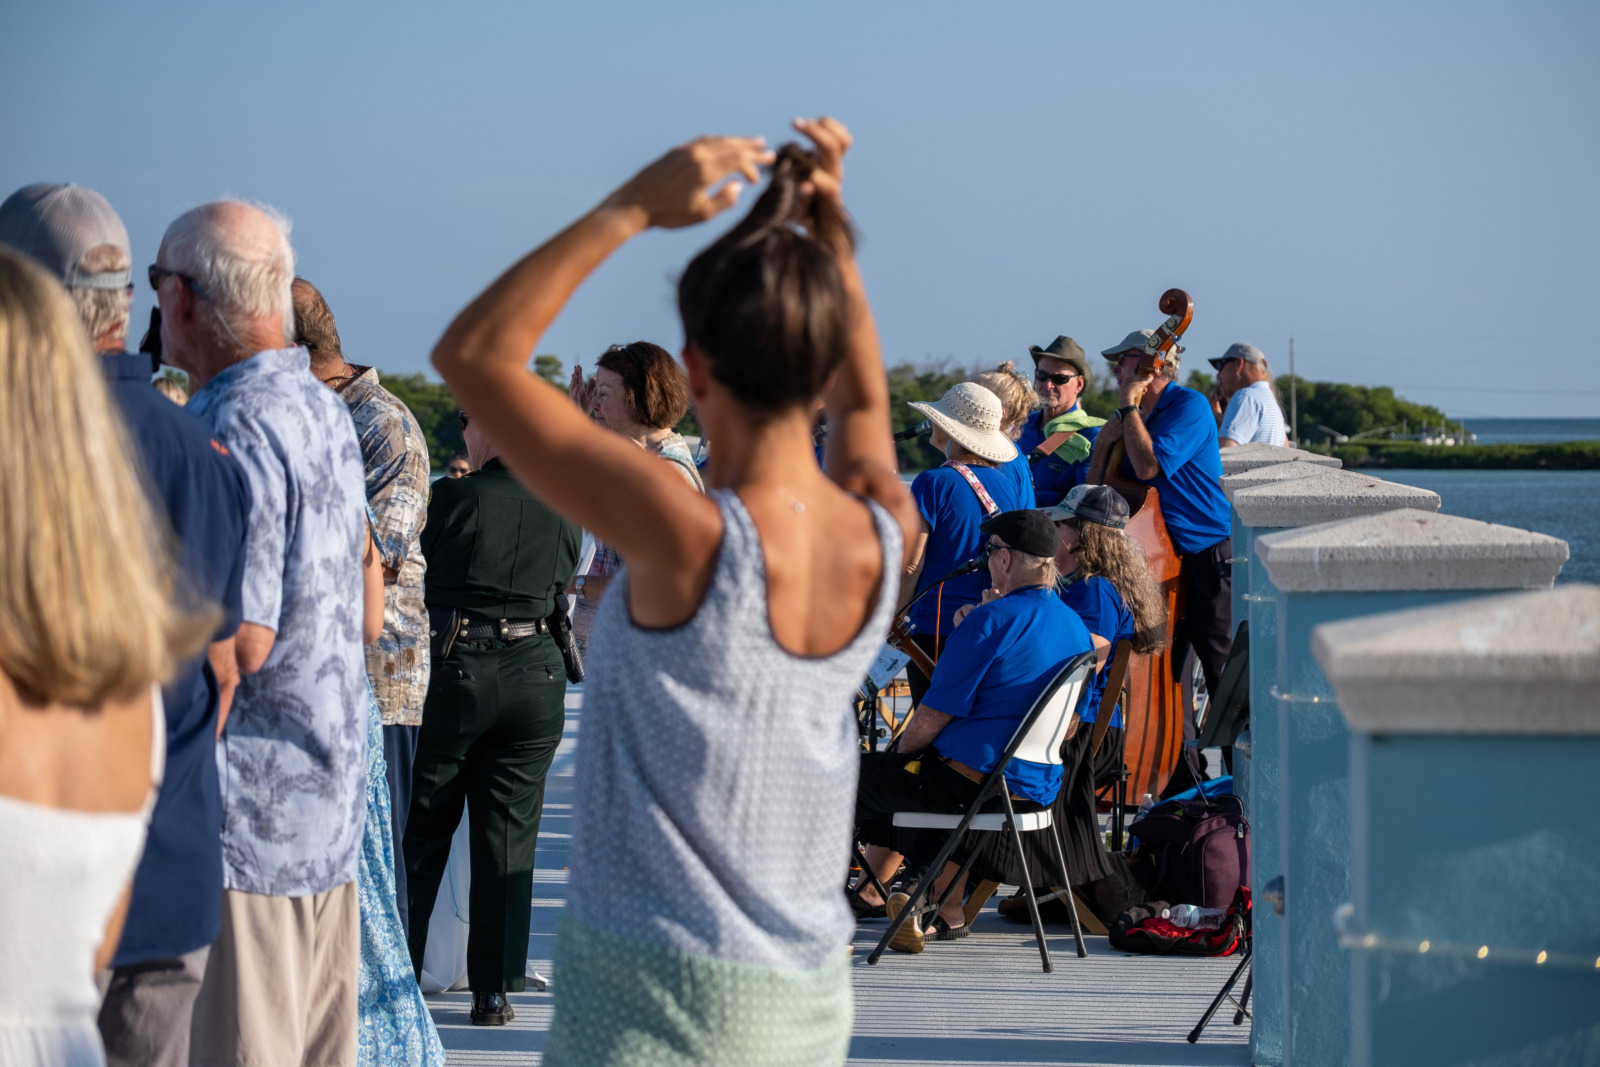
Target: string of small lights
1369,941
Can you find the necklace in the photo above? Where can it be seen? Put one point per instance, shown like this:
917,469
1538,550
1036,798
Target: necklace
339,381
795,505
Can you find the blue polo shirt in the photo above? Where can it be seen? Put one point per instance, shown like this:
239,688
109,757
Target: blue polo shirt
952,511
1017,467
997,663
1097,602
177,890
1184,433
1052,476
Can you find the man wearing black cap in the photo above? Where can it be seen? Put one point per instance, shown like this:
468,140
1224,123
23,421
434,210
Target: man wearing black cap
1058,437
995,665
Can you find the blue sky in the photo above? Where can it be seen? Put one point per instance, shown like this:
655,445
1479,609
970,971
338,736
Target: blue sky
1408,189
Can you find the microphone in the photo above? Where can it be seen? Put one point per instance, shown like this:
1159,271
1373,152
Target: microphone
976,563
916,431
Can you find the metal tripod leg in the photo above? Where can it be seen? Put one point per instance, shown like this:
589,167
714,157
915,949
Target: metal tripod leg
1222,994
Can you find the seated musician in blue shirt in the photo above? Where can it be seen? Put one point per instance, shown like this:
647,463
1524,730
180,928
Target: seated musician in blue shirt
996,664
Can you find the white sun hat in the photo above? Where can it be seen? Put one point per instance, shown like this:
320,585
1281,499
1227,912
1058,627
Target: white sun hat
970,414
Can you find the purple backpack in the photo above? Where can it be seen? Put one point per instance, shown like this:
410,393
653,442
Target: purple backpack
1194,851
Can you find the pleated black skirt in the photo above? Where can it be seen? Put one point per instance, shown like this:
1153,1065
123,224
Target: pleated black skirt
1075,814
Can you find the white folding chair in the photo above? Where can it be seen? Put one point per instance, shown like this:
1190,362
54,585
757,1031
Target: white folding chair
1037,739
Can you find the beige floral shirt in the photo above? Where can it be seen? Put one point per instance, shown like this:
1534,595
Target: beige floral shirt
394,457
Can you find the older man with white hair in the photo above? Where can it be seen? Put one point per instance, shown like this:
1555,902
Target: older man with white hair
281,983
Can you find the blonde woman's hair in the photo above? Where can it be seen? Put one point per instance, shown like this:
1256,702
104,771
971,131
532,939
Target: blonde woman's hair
172,389
1016,394
87,611
104,309
1112,555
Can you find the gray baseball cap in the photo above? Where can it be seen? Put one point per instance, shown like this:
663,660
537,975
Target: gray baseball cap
1096,503
1240,350
1134,342
57,224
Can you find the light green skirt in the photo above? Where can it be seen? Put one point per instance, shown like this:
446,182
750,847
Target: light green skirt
623,1002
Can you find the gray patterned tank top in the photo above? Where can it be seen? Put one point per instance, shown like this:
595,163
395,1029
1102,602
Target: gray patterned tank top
716,771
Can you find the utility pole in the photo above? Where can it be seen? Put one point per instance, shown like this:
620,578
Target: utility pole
1294,407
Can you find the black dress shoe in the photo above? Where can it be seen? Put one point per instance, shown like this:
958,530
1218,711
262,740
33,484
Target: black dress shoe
491,1009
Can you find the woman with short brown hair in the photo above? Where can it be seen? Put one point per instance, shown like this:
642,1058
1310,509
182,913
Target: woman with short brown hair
638,392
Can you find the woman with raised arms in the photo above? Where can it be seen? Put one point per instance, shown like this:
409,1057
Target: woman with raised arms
716,778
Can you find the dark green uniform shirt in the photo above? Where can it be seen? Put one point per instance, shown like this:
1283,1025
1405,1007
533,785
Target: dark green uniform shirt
493,549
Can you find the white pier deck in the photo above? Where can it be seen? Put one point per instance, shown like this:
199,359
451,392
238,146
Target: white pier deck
982,1000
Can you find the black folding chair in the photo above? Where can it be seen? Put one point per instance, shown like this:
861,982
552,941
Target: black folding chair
1038,740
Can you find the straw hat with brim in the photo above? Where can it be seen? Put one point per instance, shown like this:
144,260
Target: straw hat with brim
970,414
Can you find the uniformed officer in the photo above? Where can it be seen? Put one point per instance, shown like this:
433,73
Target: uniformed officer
497,560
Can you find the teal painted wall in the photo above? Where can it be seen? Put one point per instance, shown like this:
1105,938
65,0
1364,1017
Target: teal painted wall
1314,822
1475,841
1259,602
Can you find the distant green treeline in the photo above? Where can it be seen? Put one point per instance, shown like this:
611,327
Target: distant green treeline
1327,411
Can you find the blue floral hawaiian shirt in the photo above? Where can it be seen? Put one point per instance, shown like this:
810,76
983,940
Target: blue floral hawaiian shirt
395,456
293,758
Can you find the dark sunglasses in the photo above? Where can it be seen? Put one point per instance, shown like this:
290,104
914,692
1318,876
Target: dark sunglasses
462,415
1054,379
157,273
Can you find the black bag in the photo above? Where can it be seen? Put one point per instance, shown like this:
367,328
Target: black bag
1194,851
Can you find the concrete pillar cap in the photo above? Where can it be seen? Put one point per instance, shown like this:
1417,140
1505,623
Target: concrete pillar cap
1333,495
1524,663
1278,472
1408,549
1249,457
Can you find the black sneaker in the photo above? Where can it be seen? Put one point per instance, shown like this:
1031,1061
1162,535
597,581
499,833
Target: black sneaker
491,1009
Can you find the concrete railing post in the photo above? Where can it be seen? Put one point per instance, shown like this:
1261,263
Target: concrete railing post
1263,501
1248,457
1474,753
1394,561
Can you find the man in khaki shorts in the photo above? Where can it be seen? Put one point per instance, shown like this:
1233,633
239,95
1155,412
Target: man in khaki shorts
280,985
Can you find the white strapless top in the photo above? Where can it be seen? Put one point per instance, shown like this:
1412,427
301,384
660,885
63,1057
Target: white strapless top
61,875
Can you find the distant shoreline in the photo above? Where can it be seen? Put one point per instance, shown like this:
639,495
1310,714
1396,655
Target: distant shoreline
1567,455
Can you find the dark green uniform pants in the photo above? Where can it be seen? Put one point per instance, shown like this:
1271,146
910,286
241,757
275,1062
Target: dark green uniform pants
490,728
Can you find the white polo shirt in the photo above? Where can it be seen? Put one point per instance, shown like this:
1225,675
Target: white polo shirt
1253,417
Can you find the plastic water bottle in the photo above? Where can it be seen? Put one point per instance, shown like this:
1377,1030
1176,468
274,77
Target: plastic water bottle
1144,808
1194,917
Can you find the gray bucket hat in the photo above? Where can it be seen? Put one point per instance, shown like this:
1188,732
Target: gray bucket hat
1067,350
57,224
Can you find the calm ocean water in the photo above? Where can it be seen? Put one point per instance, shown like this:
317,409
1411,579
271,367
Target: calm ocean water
1564,504
1532,431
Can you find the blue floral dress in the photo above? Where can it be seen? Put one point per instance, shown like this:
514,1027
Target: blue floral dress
395,1027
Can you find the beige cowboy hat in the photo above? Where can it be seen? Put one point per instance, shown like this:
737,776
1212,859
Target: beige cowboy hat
970,414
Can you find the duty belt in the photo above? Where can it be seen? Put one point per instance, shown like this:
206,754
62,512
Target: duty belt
504,629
